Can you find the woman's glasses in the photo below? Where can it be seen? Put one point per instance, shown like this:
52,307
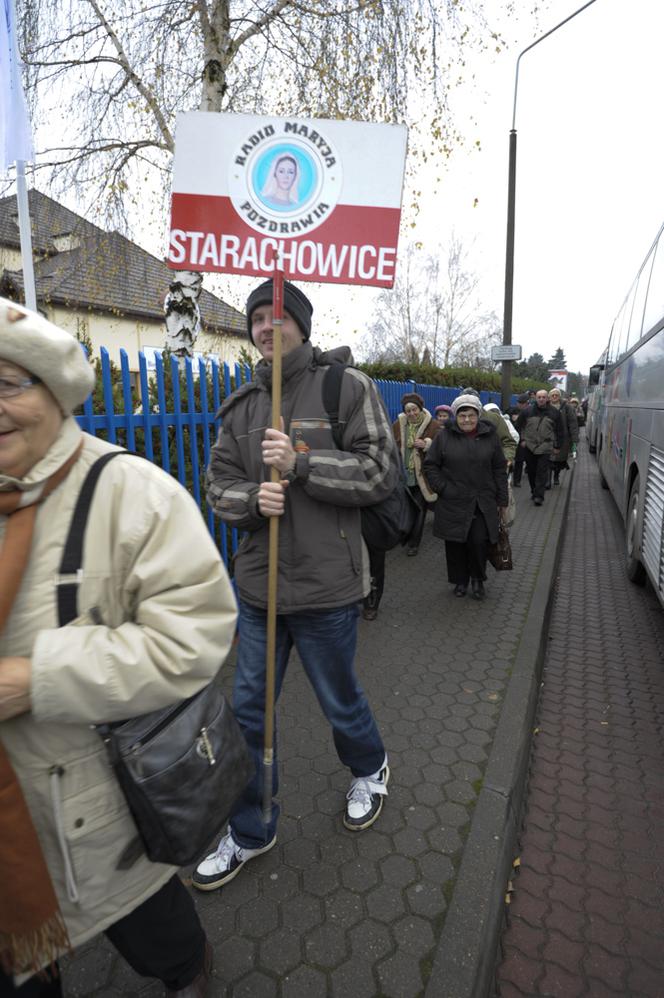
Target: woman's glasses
11,387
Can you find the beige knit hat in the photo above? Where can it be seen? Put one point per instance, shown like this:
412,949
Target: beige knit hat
52,355
466,402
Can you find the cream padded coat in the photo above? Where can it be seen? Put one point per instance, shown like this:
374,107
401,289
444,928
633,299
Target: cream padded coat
157,618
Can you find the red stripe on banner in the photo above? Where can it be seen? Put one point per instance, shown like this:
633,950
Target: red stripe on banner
355,245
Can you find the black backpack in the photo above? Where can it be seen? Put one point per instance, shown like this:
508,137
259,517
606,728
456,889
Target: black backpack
392,520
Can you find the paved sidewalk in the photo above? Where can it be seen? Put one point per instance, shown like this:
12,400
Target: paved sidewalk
332,913
587,912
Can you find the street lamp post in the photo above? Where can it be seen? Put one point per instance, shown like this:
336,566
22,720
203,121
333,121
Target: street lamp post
506,379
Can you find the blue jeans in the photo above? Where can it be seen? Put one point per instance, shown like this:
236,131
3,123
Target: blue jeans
325,641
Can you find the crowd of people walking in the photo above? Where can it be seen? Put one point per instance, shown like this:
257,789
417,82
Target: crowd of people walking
155,613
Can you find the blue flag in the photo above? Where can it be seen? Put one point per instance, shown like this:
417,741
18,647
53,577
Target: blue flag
15,131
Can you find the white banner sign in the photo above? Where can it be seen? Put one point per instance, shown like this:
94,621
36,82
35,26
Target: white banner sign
558,379
15,134
325,194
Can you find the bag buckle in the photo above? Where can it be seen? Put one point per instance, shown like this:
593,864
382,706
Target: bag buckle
70,579
204,747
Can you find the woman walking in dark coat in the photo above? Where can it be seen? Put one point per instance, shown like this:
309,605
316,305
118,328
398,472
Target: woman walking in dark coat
569,428
467,468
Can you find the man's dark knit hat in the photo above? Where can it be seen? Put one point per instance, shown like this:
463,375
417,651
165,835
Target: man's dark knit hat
524,398
296,304
412,397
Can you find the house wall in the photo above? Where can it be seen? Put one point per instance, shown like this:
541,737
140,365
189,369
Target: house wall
227,348
116,333
10,259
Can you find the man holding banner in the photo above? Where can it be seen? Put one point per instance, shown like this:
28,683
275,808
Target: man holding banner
323,569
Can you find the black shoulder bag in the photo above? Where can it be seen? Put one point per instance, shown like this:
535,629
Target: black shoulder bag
181,768
392,520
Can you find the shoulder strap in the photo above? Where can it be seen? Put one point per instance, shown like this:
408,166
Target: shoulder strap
331,395
72,555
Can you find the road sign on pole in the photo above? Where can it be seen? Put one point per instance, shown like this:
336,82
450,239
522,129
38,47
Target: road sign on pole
511,351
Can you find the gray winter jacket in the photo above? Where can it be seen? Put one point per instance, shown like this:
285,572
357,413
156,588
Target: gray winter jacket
323,562
540,429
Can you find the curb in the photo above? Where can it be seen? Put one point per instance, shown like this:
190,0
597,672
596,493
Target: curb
466,954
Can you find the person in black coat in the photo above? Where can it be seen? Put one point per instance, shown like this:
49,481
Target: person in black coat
467,468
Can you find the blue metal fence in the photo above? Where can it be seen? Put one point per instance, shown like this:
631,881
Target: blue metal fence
433,395
137,416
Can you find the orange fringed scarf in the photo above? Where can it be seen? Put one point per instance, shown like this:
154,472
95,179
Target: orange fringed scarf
32,930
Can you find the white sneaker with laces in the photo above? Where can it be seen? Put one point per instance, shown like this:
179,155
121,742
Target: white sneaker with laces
365,799
224,864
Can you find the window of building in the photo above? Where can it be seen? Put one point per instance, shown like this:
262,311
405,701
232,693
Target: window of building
150,354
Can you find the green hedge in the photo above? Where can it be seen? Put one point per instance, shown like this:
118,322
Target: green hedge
446,377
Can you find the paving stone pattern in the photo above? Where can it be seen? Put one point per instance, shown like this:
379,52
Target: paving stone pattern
587,912
333,913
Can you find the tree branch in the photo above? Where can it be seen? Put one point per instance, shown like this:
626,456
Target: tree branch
144,91
84,152
258,26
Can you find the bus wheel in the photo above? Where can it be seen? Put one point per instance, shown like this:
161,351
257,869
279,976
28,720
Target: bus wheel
635,570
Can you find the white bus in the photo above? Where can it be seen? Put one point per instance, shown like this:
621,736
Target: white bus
630,419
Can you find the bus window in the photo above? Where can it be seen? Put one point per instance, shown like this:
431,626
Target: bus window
620,329
655,301
636,322
613,339
594,375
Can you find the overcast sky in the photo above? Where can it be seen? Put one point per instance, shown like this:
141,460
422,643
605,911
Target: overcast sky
590,168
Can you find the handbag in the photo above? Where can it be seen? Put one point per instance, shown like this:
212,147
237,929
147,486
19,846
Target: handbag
398,517
500,553
182,768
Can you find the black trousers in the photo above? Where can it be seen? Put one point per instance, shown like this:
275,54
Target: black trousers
537,466
162,938
416,536
377,571
519,461
467,559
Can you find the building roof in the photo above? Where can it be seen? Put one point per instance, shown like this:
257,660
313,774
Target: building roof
79,265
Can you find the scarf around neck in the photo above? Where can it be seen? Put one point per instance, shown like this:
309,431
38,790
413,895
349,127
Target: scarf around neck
411,434
32,930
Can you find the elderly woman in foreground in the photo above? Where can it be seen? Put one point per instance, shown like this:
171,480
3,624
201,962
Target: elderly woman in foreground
156,618
467,468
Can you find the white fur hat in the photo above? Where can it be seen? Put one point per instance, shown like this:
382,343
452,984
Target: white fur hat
52,355
466,402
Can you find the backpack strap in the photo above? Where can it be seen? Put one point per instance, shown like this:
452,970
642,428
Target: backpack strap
332,380
70,574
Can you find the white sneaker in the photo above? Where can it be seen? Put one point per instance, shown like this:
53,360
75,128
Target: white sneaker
365,799
224,864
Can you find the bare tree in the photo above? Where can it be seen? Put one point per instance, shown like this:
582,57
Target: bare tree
398,329
113,76
434,314
119,73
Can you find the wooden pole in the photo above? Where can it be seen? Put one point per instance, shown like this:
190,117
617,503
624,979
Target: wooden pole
273,554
